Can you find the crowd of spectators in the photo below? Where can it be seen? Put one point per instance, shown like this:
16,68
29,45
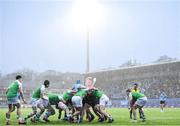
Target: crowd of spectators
152,80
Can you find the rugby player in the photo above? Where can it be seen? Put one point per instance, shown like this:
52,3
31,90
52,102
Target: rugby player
140,100
13,99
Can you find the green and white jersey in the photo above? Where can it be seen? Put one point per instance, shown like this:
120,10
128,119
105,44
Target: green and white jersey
136,95
54,99
97,93
13,89
37,93
67,96
82,93
40,92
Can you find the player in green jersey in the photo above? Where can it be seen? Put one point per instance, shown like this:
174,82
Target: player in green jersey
12,96
54,99
77,101
101,107
67,96
135,89
140,100
39,100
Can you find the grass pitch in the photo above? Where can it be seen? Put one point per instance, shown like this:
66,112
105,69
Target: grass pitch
170,117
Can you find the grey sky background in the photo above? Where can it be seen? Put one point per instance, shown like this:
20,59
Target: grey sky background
37,34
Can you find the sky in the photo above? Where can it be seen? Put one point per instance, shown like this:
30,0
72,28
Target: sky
47,35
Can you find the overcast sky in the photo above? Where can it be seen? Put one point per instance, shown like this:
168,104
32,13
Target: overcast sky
39,34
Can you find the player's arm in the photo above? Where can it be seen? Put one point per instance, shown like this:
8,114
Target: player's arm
73,91
43,93
82,86
130,99
7,90
63,101
21,93
92,88
59,116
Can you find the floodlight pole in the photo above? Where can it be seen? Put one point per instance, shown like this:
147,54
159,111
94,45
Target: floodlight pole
87,52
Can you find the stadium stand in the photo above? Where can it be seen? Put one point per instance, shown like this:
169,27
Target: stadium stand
152,79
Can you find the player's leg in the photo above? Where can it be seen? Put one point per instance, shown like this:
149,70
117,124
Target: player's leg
34,111
161,106
64,107
41,106
65,116
8,114
106,114
42,109
102,113
89,116
139,104
77,112
98,114
130,113
164,105
81,115
59,111
85,109
11,104
50,111
38,114
130,108
103,102
13,108
135,106
77,103
142,113
76,115
19,114
59,114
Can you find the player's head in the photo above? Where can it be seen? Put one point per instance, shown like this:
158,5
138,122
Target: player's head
89,92
89,81
46,83
162,91
128,91
78,82
19,78
135,85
